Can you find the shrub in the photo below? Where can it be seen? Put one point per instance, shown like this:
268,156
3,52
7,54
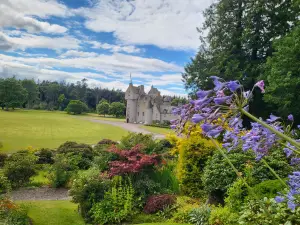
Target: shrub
223,216
268,188
107,142
76,107
12,214
193,153
278,213
63,169
236,195
87,188
117,204
146,141
81,154
184,205
157,203
5,186
117,109
145,218
162,146
45,156
200,216
3,157
19,167
218,175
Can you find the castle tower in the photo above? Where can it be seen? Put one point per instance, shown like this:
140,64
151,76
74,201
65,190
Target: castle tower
131,96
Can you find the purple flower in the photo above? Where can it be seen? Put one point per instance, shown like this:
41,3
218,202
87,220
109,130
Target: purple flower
173,121
218,84
295,161
272,118
291,117
291,205
261,85
233,85
197,118
173,127
288,152
222,100
279,199
207,127
214,132
298,126
202,94
220,93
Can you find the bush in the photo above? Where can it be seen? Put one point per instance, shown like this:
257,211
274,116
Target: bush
12,214
278,213
157,203
117,204
63,169
200,216
87,188
218,175
268,188
45,156
5,186
223,216
107,142
3,157
76,107
81,154
132,139
193,152
184,205
19,167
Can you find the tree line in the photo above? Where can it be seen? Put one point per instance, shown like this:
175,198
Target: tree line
50,95
250,40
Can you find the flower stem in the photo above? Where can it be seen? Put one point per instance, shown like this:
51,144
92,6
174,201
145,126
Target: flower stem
274,173
278,133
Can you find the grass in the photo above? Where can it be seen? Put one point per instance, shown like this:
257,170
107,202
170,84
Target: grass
23,128
163,224
54,212
107,117
41,179
157,130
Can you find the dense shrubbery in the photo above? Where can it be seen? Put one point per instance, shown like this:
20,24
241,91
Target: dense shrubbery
76,107
5,186
45,156
3,157
19,167
157,203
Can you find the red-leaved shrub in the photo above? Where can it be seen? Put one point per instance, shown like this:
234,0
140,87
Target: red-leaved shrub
157,203
131,161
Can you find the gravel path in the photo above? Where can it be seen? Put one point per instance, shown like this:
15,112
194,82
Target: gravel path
43,193
127,126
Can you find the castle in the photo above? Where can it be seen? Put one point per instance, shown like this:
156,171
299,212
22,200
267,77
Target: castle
147,108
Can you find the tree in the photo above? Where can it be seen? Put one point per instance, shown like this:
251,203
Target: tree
283,75
76,107
61,100
12,93
103,107
117,109
32,90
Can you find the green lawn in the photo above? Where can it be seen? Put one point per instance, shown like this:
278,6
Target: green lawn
22,128
56,212
162,224
110,118
158,130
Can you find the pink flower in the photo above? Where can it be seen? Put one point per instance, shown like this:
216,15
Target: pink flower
261,85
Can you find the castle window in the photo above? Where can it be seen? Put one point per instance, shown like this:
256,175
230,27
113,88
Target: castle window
143,114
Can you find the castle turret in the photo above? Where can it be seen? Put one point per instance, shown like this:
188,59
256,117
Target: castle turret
131,96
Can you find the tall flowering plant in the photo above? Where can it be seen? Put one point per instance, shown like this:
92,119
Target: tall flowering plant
219,112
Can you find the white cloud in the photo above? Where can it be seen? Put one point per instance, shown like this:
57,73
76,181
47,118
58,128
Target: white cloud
74,53
166,79
164,23
103,63
21,14
114,48
34,41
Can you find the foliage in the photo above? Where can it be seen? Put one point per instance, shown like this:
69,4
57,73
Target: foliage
80,154
61,101
12,214
19,167
146,141
218,175
32,91
63,169
117,109
12,94
193,153
76,107
268,188
88,188
45,156
200,216
103,107
145,218
102,157
253,213
282,73
131,161
3,157
117,204
5,186
157,203
236,195
107,142
178,100
223,216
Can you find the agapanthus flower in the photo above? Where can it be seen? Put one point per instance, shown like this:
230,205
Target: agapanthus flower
202,94
272,118
197,118
261,85
291,117
233,85
222,100
279,199
295,161
288,150
218,84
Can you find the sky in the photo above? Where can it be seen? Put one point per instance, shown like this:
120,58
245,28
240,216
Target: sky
103,41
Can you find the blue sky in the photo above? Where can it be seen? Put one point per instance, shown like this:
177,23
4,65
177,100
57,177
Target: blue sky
100,40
